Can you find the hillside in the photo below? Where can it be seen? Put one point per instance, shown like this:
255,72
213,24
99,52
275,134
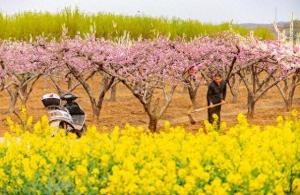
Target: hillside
281,25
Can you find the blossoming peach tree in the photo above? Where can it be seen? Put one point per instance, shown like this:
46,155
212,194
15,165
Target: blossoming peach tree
150,69
21,65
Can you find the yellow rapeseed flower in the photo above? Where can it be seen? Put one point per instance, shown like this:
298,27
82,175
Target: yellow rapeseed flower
242,159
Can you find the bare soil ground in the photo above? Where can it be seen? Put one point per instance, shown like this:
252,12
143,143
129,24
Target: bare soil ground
127,108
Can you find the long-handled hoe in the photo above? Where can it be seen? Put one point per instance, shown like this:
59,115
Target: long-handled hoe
189,114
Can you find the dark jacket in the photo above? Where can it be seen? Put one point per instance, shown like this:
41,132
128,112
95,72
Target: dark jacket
216,93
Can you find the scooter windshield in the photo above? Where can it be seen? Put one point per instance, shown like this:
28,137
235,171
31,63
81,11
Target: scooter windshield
78,119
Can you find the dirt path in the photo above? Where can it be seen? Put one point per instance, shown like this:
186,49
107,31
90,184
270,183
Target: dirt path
127,108
228,115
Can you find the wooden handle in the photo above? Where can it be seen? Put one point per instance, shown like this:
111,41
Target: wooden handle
206,107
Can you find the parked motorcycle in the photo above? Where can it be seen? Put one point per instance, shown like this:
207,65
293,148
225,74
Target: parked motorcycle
69,117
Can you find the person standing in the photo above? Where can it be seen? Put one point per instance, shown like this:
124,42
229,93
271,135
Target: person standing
216,94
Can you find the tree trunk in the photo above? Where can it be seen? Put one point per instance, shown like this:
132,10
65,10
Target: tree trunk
106,83
25,90
235,92
234,98
234,85
113,93
69,83
185,89
152,124
12,102
289,102
24,95
251,105
193,96
96,113
97,106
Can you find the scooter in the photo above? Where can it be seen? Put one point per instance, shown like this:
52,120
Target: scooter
64,117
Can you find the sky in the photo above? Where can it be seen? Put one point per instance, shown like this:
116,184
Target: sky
210,11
